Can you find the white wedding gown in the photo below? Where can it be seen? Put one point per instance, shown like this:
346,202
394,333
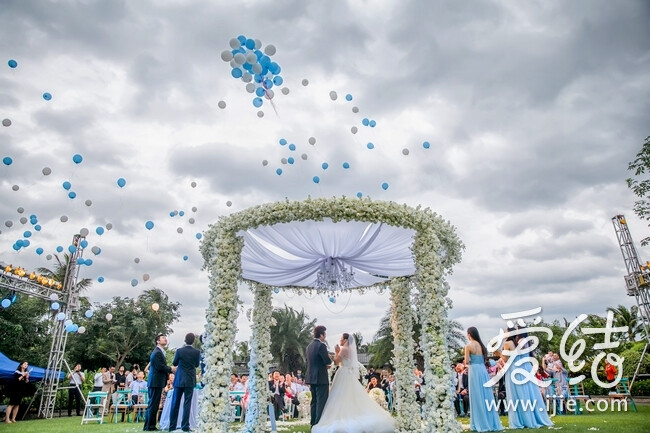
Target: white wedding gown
349,409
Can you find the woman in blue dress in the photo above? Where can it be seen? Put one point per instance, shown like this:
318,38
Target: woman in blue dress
526,406
484,414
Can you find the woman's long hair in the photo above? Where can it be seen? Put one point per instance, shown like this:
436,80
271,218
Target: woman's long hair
473,332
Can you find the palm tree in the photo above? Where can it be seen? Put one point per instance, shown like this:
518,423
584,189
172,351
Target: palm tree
292,332
629,319
60,271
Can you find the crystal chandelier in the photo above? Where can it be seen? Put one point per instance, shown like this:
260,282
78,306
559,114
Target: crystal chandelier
333,277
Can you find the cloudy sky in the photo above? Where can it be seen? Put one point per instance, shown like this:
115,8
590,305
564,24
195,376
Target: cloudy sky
532,111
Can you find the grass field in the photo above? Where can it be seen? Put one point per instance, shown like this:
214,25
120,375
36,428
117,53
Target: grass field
607,422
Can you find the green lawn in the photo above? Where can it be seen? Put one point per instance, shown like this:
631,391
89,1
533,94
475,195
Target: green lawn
608,422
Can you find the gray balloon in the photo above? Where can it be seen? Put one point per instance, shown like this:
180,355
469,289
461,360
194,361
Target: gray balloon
251,58
239,58
405,151
84,232
258,44
270,94
250,87
15,187
304,156
246,77
20,210
179,230
109,226
233,63
260,114
194,209
234,43
48,257
354,129
269,50
333,95
89,202
221,104
283,160
23,220
265,162
137,260
226,55
285,90
145,277
228,203
305,82
355,109
6,122
47,171
9,223
191,220
64,218
257,68
95,250
312,140
193,184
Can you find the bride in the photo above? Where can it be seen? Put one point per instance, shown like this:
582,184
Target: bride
349,409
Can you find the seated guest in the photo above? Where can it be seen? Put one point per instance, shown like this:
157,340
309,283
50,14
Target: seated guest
462,394
291,393
138,385
235,384
276,386
374,383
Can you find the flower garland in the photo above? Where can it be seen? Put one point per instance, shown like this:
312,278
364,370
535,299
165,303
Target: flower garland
363,372
401,322
436,248
259,359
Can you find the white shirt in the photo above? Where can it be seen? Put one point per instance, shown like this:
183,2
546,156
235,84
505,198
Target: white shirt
77,377
137,386
237,387
98,380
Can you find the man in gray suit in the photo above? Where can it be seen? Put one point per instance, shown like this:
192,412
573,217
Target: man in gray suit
187,359
318,361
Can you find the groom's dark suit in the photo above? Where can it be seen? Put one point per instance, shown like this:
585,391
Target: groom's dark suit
316,377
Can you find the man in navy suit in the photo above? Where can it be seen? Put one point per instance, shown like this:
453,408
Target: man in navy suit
187,359
158,372
318,361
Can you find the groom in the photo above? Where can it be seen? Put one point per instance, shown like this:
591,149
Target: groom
318,361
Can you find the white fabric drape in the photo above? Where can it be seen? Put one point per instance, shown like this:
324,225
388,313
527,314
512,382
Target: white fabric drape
291,254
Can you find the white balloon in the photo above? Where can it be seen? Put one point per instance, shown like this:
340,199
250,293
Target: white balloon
333,95
285,90
239,58
145,277
179,230
258,44
226,55
355,109
257,68
234,43
246,77
54,297
221,104
81,329
84,232
269,50
354,129
250,87
312,140
264,163
251,58
260,114
109,317
47,171
155,306
305,82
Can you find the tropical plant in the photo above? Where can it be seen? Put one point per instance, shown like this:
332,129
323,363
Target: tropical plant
290,336
641,187
628,318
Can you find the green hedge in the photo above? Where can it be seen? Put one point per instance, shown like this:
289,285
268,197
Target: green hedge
640,388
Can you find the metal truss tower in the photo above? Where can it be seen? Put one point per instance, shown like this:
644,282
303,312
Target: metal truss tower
637,280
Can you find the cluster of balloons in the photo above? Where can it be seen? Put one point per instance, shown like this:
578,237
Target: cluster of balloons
254,67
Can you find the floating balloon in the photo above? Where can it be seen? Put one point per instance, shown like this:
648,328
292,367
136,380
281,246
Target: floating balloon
332,299
109,226
426,145
23,220
149,225
76,158
109,317
228,203
6,303
372,123
278,171
179,230
88,262
333,95
48,257
55,306
355,109
292,147
60,316
282,142
72,249
370,146
137,260
134,282
305,82
7,160
12,63
316,179
63,218
346,165
54,297
59,249
186,258
312,140
359,194
84,232
348,97
37,228
194,209
96,250
290,160
15,187
325,165
384,186
121,182
81,261
46,171
39,251
260,114
81,329
269,50
221,104
6,122
89,313
354,129
155,306
405,151
100,279
265,163
191,220
285,90
365,121
20,210
145,277
304,156
72,194
193,184
66,185
88,203
9,223
284,160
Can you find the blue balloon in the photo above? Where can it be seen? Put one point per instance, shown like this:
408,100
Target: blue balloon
39,251
426,145
257,78
258,54
148,225
12,63
242,39
257,102
100,279
7,160
260,91
69,328
274,68
66,185
181,213
89,313
27,234
47,96
84,243
185,258
20,243
365,121
332,299
121,182
6,303
316,179
72,194
250,44
277,80
278,171
199,235
264,60
276,290
60,316
247,66
268,84
359,194
134,282
76,158
88,262
325,165
37,228
172,214
59,249
99,230
55,305
97,251
16,247
80,261
26,243
372,123
346,165
72,249
75,327
283,142
370,146
290,160
292,147
348,97
384,186
236,73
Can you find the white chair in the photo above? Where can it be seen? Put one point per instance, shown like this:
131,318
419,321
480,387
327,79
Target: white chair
95,407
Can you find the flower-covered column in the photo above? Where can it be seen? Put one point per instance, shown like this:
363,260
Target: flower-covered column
260,358
222,255
438,409
401,321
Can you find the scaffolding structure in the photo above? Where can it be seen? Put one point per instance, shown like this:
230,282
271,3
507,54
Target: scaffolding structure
637,281
68,298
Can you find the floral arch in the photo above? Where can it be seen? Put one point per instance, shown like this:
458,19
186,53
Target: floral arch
290,244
